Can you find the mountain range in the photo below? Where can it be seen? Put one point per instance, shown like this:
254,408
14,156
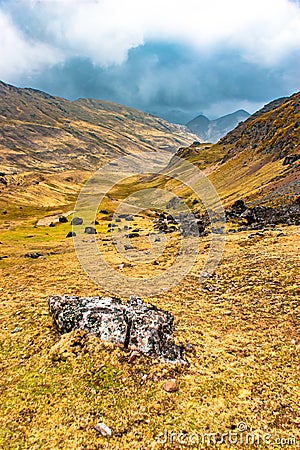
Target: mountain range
42,132
49,146
258,161
213,130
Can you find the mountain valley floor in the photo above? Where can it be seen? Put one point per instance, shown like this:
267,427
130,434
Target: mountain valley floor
241,329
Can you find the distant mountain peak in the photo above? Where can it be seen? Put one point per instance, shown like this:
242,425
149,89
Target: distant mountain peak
213,130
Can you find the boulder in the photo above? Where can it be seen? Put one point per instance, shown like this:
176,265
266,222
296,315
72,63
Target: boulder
71,234
137,326
90,230
77,221
132,235
290,159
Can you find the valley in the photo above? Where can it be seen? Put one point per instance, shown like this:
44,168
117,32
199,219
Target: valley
239,325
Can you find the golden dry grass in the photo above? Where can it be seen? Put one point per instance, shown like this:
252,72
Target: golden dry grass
243,323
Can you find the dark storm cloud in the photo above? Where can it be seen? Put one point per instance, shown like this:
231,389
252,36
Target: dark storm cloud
171,59
172,81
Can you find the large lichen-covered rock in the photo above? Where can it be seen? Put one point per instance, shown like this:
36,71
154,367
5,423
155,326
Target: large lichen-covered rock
137,325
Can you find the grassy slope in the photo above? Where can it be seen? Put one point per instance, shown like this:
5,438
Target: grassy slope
248,162
242,322
41,132
49,146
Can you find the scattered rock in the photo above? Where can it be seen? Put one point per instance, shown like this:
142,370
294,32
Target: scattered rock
77,221
260,217
90,230
103,429
290,159
258,234
71,234
172,203
206,275
137,325
94,222
103,211
16,330
132,235
171,385
33,255
62,219
128,247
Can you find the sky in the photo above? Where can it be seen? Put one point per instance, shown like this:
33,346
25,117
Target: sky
172,58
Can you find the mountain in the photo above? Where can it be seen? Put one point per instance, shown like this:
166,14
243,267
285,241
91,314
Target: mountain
213,130
42,132
258,161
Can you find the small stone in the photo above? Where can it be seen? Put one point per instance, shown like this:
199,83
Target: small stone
133,356
71,234
206,275
171,385
33,255
128,247
103,429
17,330
90,230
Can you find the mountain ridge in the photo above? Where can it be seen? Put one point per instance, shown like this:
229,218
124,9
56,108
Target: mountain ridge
258,160
213,130
41,130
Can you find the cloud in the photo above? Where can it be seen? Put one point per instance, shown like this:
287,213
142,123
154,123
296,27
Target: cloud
172,81
19,55
104,31
156,55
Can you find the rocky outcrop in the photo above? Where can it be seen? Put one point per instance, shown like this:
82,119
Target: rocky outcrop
261,216
290,159
137,325
187,224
